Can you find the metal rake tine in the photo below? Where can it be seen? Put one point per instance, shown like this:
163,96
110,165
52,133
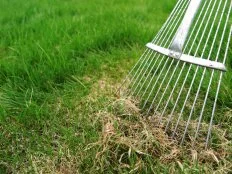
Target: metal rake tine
154,76
213,112
194,77
171,16
175,70
187,74
161,116
151,69
128,75
141,70
158,38
160,61
201,115
155,61
187,97
164,78
207,93
203,75
143,63
192,109
153,57
183,66
180,92
160,31
166,24
219,84
142,58
170,79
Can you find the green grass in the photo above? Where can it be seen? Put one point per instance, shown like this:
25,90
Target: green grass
47,49
44,43
52,55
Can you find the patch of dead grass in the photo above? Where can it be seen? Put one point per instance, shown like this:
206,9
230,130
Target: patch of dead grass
128,138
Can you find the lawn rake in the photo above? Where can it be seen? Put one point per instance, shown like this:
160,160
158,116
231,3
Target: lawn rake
177,79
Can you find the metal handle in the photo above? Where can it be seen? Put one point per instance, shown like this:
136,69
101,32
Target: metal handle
182,32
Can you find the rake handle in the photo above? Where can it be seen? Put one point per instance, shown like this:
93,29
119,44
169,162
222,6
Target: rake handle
183,30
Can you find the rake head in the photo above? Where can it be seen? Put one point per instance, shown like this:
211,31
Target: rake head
178,77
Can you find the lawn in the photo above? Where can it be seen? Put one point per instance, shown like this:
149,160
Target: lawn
60,65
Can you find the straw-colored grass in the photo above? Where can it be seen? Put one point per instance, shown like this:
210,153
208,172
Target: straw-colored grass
133,143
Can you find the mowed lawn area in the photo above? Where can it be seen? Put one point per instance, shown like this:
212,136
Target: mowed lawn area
60,64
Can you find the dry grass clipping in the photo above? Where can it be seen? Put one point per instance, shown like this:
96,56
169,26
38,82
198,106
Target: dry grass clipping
128,139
